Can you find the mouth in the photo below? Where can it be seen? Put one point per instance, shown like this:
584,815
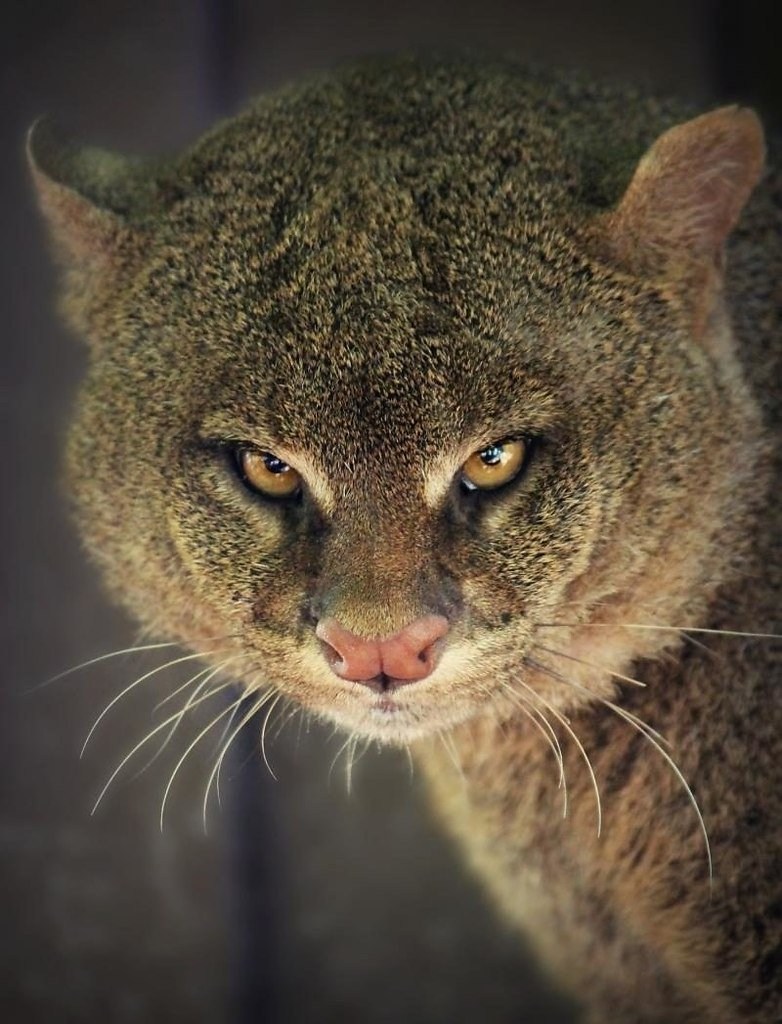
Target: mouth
394,718
386,705
385,684
390,709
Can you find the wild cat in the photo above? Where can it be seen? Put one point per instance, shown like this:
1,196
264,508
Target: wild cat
441,398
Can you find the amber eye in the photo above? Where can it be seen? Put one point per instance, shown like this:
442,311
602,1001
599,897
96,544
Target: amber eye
265,473
493,466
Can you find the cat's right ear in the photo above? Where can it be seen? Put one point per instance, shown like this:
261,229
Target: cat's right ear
688,191
88,198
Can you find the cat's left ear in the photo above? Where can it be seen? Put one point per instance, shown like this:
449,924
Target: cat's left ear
687,193
89,197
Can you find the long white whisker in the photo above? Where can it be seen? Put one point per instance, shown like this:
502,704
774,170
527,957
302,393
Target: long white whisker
138,649
257,705
563,721
210,674
670,629
450,749
102,657
588,693
652,736
146,739
290,713
548,734
354,757
408,759
590,664
226,729
184,756
267,716
351,750
132,686
639,727
337,756
175,693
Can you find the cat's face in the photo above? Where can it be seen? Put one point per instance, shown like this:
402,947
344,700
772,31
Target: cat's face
373,352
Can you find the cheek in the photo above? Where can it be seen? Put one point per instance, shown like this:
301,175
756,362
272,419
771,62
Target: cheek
528,551
231,562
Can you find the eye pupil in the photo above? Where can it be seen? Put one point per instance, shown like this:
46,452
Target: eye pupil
275,465
492,455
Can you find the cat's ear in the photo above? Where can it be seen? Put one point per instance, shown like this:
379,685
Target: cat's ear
88,196
688,191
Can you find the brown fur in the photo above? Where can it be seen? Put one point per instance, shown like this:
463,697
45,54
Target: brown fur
375,273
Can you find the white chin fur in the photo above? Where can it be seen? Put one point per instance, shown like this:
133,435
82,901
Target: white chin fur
394,727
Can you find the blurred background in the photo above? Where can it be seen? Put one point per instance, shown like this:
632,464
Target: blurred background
301,903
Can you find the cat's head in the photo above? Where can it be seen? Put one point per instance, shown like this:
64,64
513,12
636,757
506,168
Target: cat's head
384,407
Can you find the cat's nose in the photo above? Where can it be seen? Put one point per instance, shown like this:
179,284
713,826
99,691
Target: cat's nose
409,654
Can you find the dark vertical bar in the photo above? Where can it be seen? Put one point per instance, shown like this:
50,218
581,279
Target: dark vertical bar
746,64
254,874
220,33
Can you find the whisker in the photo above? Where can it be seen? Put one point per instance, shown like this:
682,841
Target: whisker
268,715
295,711
102,657
132,686
184,756
351,751
337,756
303,720
450,749
138,649
590,664
354,757
549,735
258,703
677,771
671,629
211,673
175,693
652,736
410,762
533,663
564,722
226,729
146,739
290,713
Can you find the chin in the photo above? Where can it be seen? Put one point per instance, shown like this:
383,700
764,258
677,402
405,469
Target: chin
394,721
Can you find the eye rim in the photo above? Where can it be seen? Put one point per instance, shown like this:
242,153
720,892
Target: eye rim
239,451
469,487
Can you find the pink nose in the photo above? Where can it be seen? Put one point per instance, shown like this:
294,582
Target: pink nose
407,655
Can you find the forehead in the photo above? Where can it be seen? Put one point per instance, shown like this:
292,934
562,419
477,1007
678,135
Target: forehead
365,323
346,342
377,385
351,351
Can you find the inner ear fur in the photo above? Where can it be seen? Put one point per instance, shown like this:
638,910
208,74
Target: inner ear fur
687,194
90,197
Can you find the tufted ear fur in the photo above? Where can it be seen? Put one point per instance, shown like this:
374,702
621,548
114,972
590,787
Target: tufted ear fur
87,195
688,191
93,202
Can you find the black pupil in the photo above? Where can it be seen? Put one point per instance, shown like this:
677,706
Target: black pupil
274,465
492,455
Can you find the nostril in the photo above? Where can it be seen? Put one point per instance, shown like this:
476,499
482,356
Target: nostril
413,652
348,655
332,656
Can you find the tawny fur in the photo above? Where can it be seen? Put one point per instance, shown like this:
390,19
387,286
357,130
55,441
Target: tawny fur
375,273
